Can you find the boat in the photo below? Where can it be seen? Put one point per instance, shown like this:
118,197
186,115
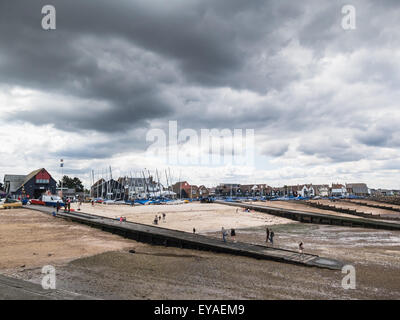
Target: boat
48,200
10,203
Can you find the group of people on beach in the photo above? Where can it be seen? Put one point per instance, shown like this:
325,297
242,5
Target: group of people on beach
67,205
270,236
157,218
225,234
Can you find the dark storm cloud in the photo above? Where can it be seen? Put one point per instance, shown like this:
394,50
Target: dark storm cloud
208,43
112,66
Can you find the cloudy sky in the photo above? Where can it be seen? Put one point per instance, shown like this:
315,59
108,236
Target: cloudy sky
323,101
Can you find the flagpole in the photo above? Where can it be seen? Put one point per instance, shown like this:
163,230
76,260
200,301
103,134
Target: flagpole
62,177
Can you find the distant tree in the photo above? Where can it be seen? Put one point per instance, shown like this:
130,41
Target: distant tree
72,183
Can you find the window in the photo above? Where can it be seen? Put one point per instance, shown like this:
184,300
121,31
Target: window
42,181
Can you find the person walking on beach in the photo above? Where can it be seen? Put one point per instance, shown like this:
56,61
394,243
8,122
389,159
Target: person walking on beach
301,250
271,237
163,216
194,230
155,220
224,234
233,235
67,205
266,240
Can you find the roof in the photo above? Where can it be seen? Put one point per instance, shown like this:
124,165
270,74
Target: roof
31,175
14,177
352,185
337,186
357,187
14,180
17,181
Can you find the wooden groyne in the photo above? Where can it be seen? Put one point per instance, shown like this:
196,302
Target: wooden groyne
173,238
349,211
372,205
317,218
388,199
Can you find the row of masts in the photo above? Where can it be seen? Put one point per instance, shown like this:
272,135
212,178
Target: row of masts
140,185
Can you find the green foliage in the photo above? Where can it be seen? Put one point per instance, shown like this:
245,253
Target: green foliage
72,183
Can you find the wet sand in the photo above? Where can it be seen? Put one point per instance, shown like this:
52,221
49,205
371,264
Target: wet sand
99,264
171,273
156,272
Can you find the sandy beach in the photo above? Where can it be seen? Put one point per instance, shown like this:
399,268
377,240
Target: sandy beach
30,239
99,264
204,217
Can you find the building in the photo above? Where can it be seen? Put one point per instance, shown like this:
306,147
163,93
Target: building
182,189
110,189
306,190
212,191
241,190
229,189
137,188
69,193
12,182
384,192
203,191
338,190
322,190
357,189
32,185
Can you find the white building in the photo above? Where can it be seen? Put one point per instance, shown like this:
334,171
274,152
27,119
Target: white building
307,190
338,190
